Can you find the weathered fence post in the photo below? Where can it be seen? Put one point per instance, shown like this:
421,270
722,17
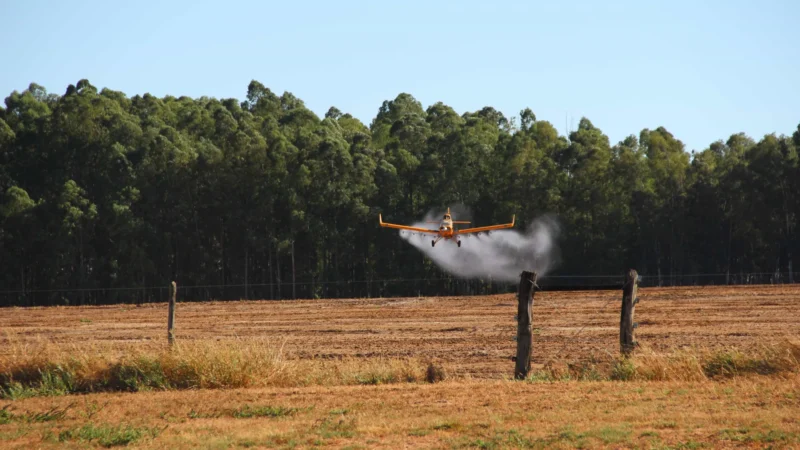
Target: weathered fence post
629,301
527,285
173,290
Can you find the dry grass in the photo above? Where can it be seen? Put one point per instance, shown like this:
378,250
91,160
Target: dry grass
455,414
414,373
471,335
27,370
686,364
47,370
693,364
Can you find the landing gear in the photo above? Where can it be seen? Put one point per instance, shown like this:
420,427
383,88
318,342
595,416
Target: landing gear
459,243
433,243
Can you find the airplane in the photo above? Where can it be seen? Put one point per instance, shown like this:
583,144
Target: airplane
446,229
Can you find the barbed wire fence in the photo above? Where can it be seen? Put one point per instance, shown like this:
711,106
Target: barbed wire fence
376,288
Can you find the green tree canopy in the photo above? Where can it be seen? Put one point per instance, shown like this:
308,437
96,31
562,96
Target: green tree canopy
104,196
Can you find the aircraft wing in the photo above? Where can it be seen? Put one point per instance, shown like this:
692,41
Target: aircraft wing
405,227
488,228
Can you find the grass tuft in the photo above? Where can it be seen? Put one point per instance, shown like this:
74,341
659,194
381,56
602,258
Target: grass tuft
188,365
46,371
749,436
435,373
330,428
623,370
248,411
695,364
108,435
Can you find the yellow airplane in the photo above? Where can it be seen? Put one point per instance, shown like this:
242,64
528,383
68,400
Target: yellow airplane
446,230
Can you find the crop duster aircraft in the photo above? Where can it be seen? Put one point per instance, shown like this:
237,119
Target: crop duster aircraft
446,229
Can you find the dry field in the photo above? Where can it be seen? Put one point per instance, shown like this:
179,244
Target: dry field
473,334
471,337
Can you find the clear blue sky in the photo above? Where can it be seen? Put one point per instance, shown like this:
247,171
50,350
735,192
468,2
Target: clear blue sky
702,69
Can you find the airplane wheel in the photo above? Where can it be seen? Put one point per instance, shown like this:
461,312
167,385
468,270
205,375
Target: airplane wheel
459,243
433,243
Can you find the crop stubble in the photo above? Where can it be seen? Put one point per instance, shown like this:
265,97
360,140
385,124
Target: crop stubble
473,335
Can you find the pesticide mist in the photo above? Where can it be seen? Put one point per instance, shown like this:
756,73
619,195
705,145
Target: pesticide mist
501,255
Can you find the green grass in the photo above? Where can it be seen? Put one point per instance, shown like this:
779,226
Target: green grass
108,435
688,445
512,438
53,380
53,414
748,436
336,428
248,411
499,440
623,370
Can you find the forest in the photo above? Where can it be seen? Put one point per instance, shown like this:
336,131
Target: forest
106,198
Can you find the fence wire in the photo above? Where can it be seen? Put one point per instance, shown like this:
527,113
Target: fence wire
380,288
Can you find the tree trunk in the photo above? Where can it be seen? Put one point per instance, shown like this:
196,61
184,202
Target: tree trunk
222,250
175,260
80,280
777,276
246,257
269,269
278,274
789,234
369,275
294,280
173,290
672,248
143,292
730,251
629,300
527,285
658,263
336,272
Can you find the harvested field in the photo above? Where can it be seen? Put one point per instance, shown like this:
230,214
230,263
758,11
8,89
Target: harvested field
313,384
472,335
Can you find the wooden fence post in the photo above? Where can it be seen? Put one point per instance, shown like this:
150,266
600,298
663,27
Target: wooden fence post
527,285
629,301
173,290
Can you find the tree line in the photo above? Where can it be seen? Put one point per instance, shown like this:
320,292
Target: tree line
104,196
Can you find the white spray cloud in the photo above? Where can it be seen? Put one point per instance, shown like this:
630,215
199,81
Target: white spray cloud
501,255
